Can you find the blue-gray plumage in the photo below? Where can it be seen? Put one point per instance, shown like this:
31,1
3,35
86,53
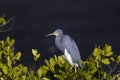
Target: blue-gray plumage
67,46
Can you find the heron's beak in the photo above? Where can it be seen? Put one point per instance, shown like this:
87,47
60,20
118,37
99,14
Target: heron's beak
52,34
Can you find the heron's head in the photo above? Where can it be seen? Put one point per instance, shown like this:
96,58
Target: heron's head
56,33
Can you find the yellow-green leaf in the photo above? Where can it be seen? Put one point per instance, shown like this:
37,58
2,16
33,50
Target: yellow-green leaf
109,54
112,59
55,57
8,39
42,71
1,65
95,52
17,56
104,75
25,69
2,43
35,54
108,48
119,58
47,62
118,78
38,55
98,57
34,51
45,79
85,62
3,21
5,69
24,77
52,61
12,42
61,59
9,62
106,61
88,76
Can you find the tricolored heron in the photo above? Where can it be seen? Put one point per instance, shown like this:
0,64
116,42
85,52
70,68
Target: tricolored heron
67,46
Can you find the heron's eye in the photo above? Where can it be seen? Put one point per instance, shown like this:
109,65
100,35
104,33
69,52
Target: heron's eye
59,31
56,33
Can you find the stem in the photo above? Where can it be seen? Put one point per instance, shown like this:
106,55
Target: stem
111,70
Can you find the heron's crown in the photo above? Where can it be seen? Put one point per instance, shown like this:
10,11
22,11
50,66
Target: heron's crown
58,32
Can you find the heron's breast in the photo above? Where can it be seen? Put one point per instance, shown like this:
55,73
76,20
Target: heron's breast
60,47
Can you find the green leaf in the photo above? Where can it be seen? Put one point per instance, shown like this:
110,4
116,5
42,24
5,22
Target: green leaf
112,59
106,61
85,62
52,61
98,57
118,78
12,42
88,76
2,43
118,58
93,70
108,48
109,54
97,52
8,49
55,57
24,77
45,79
103,52
3,21
36,57
42,71
35,54
61,59
1,65
34,51
5,69
1,78
9,61
8,39
11,54
1,52
47,62
25,69
104,75
17,56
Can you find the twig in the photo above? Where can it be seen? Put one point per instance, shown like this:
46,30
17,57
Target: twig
112,69
11,19
116,76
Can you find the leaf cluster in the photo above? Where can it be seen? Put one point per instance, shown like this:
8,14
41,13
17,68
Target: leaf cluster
57,68
100,65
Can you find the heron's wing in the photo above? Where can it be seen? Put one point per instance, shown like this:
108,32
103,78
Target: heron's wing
68,57
72,48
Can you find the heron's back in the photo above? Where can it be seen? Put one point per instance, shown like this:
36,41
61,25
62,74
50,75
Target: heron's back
72,48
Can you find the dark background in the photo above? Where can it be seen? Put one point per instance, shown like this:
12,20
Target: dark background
88,22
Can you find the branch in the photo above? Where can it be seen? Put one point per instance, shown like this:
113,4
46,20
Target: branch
116,76
112,69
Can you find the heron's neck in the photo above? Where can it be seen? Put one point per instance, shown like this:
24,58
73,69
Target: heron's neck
58,42
59,38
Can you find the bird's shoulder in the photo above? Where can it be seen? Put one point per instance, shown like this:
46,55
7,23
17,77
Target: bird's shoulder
66,37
